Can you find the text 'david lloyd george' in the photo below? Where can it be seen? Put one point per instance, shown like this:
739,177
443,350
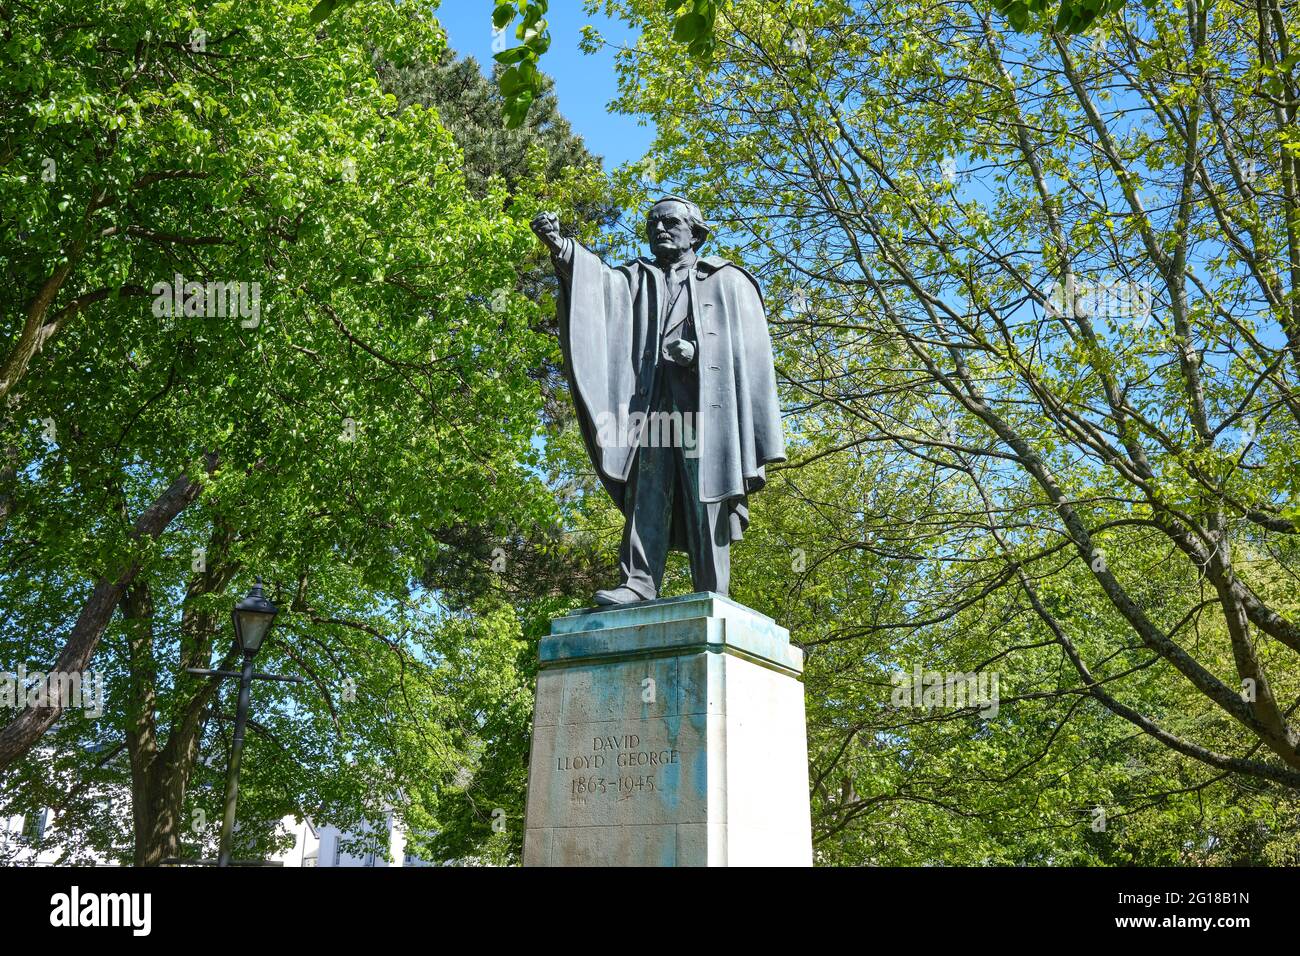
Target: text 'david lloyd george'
617,765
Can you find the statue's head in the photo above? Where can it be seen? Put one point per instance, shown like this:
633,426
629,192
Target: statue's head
674,227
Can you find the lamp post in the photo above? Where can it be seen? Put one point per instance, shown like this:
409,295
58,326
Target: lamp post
252,617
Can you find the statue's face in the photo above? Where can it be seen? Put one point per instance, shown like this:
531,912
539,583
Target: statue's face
669,230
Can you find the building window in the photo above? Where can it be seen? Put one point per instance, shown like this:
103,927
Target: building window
34,826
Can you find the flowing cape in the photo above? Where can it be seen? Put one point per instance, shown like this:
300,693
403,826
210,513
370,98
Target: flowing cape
609,335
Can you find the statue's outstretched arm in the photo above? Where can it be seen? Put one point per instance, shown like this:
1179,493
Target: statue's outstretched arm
546,225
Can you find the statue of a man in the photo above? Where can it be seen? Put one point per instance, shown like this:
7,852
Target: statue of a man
670,365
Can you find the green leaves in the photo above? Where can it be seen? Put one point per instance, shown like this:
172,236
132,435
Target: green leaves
503,14
824,139
694,25
521,84
385,392
324,8
1073,16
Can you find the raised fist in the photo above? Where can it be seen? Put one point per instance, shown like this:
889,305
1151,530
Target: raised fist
547,227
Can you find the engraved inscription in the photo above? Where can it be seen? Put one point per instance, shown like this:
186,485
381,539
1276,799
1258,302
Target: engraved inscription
616,754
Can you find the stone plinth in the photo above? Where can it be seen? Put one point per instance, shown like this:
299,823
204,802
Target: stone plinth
669,733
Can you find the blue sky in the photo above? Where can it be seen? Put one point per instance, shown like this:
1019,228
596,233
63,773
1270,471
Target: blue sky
584,84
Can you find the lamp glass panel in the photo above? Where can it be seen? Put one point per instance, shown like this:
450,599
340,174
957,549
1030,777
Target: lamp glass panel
253,626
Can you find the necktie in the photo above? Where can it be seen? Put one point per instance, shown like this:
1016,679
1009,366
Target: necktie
675,279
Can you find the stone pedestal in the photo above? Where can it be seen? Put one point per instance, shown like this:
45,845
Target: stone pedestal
669,733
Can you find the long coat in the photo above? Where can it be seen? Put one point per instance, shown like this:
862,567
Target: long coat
609,334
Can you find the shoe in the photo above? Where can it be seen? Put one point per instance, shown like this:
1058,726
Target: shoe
619,595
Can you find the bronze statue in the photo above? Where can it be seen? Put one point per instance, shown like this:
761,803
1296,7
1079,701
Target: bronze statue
670,365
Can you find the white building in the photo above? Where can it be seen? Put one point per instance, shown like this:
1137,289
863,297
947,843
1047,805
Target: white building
325,845
23,843
33,840
328,846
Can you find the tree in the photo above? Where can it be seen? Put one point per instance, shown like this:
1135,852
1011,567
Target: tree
1051,283
371,389
519,568
694,26
1045,778
469,105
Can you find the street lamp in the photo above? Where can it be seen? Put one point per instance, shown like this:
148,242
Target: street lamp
252,617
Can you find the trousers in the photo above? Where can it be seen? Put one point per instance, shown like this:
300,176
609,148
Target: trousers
663,489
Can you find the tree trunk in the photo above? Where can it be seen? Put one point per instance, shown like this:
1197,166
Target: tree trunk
25,729
160,778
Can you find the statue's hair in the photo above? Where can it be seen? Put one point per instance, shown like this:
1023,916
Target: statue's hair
698,226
